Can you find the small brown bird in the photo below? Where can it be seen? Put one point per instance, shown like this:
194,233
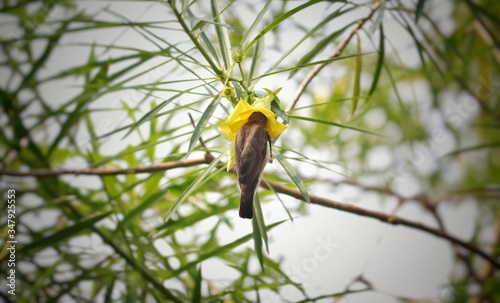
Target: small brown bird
252,155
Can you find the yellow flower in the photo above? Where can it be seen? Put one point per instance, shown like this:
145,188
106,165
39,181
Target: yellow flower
240,116
228,92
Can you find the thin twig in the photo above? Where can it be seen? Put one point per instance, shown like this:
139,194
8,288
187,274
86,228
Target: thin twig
337,52
104,171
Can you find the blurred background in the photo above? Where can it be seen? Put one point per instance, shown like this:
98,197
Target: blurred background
109,138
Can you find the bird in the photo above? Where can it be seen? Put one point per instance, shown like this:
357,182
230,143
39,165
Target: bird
252,155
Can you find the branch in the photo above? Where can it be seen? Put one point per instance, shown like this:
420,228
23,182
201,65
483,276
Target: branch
390,219
337,52
479,193
105,171
380,216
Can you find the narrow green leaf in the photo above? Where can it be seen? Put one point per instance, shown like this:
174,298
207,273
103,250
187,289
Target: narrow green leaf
320,25
256,21
202,22
357,77
222,34
197,287
490,14
65,233
217,252
318,47
276,108
293,174
197,182
260,221
141,208
277,21
168,228
334,124
279,199
493,35
149,115
256,60
109,291
380,61
421,48
473,148
205,39
207,114
420,9
257,240
71,121
297,67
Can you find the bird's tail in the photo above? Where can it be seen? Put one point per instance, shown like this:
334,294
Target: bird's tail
246,205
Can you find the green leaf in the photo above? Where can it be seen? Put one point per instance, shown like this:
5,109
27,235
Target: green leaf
197,287
279,199
473,148
65,233
380,61
217,252
207,114
202,22
357,77
334,124
297,67
259,231
255,66
420,9
276,108
318,47
141,208
149,115
222,34
197,182
205,38
255,22
277,21
293,174
260,221
319,26
257,240
109,291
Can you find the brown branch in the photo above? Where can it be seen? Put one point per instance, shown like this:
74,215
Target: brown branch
390,219
105,171
481,194
337,52
382,217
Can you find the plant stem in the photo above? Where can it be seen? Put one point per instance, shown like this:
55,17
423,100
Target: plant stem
198,45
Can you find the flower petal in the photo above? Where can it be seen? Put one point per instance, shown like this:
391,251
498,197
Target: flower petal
242,113
233,123
231,152
247,113
274,128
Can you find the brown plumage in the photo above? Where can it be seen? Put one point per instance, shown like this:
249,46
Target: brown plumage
252,155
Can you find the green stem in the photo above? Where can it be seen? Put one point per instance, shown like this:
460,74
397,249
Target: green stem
241,71
240,82
212,64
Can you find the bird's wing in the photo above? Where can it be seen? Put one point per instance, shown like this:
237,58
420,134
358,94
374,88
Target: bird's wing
251,153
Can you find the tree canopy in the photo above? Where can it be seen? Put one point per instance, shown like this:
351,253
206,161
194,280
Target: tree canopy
384,186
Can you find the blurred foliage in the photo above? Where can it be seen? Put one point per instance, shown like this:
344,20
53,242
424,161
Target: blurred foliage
144,237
